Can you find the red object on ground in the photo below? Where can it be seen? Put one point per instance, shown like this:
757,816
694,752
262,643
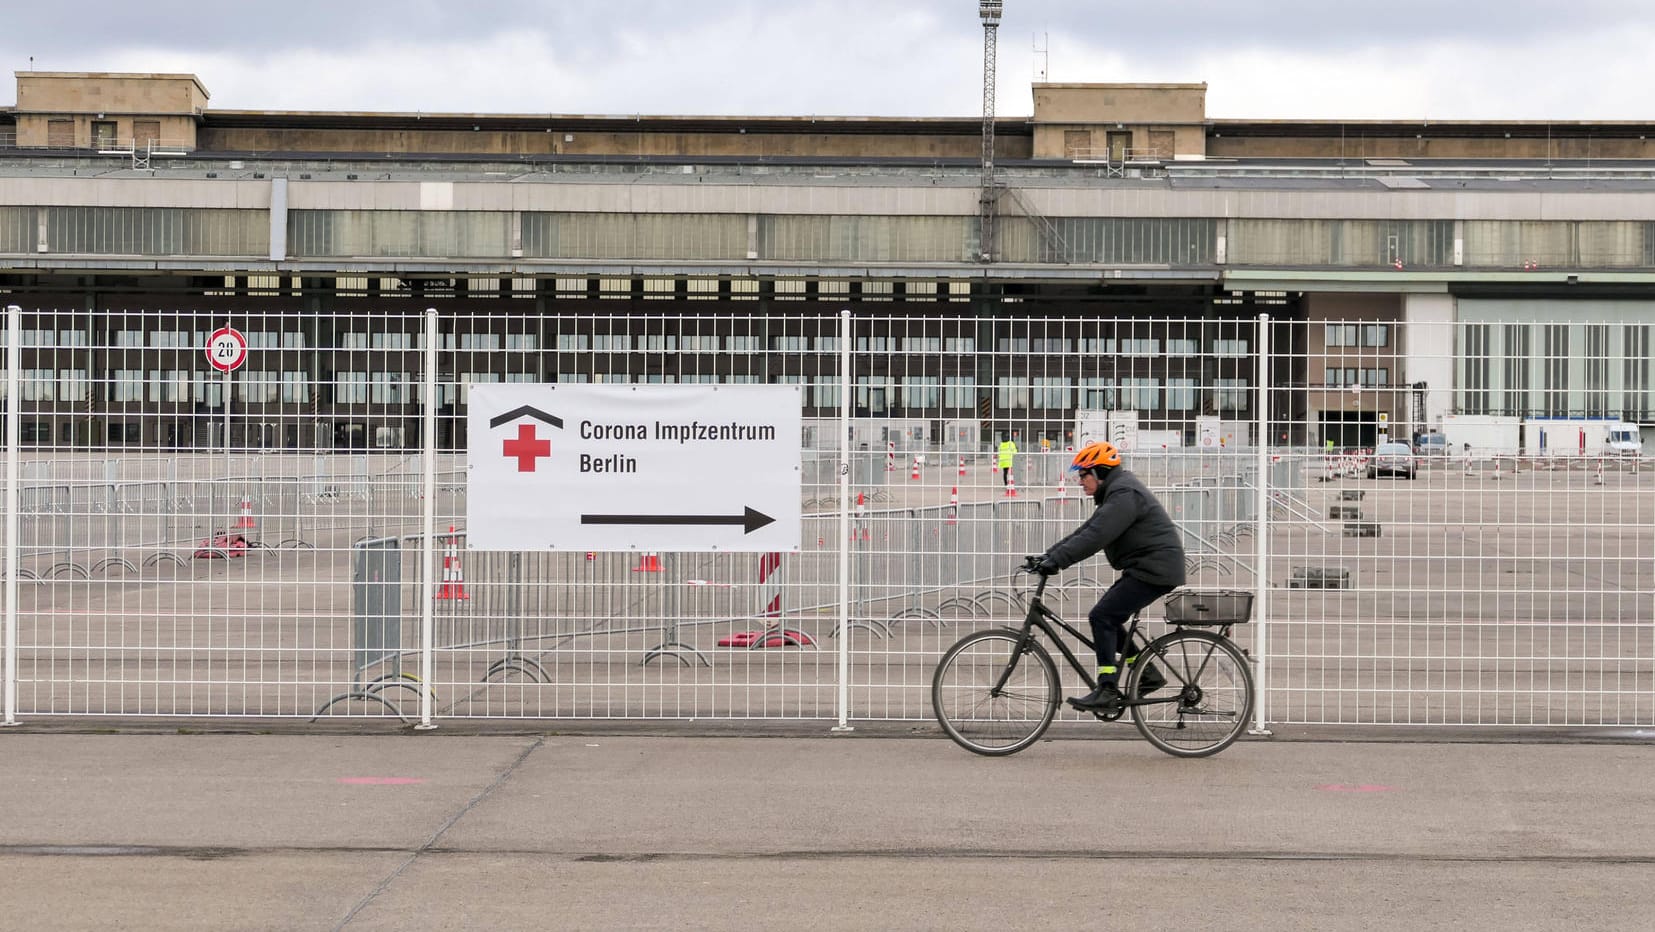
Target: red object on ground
222,546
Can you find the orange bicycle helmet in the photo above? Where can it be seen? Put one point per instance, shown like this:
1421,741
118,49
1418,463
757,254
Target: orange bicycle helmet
1098,455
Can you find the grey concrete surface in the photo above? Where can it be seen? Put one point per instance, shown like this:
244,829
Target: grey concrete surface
597,831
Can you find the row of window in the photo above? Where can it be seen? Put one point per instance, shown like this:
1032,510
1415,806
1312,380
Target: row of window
668,343
877,392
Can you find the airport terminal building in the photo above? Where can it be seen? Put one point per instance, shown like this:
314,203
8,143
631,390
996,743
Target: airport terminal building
1118,257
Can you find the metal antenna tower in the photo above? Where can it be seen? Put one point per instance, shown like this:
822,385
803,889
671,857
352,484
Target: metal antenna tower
990,11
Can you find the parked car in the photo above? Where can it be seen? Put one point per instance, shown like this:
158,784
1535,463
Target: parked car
1393,459
1432,445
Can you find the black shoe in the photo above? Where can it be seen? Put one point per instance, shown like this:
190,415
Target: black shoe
1150,680
1107,696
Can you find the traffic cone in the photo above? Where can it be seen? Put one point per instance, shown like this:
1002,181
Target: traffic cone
1598,480
651,563
962,465
915,474
1011,484
861,531
1062,488
954,505
590,556
246,519
453,576
1497,474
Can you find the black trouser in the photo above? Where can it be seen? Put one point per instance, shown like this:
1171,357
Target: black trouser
1109,616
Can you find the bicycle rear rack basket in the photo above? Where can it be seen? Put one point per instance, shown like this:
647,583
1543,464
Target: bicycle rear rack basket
1209,607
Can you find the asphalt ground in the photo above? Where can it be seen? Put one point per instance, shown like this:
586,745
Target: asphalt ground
877,829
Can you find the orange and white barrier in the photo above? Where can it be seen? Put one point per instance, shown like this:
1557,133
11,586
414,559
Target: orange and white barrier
453,575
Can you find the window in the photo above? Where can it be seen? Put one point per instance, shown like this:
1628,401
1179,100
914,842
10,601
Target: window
612,342
1229,347
258,387
1341,335
394,340
573,342
743,344
1376,335
1182,347
1011,394
1097,346
922,345
873,392
790,344
263,339
1052,393
874,344
658,343
1051,345
295,387
1143,347
72,385
353,339
522,341
103,134
390,388
133,339
1012,345
699,344
1517,369
170,339
172,385
128,385
1141,394
1180,394
1230,395
480,341
827,344
1097,394
961,344
959,392
921,391
351,388
826,395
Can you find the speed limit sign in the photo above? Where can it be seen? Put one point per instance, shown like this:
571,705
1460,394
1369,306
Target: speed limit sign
226,349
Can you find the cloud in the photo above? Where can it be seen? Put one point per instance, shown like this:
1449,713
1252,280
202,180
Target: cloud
1281,59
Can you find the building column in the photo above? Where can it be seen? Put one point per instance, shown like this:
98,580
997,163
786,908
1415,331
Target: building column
1430,321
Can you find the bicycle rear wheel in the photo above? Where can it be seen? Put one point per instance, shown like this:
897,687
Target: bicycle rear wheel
1208,695
991,722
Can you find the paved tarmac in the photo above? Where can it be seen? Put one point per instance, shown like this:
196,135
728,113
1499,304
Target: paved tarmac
892,829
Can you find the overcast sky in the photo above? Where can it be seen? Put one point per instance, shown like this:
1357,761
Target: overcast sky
1281,59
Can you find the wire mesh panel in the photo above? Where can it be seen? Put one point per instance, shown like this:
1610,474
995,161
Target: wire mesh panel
1466,541
254,544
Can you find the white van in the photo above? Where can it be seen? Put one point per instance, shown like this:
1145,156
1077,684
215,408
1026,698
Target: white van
1624,440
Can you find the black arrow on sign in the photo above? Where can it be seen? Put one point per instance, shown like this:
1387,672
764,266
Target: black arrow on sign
749,520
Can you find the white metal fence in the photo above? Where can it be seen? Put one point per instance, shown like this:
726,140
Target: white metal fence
302,552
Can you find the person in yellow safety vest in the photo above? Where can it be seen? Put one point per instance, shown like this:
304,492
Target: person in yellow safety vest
1008,450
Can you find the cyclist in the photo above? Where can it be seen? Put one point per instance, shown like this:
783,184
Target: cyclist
1140,541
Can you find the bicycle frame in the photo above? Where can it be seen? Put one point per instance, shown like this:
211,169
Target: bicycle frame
1041,617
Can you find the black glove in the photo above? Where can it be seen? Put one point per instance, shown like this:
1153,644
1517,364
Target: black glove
1045,567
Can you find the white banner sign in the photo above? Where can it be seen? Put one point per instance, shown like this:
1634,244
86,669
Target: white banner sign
634,467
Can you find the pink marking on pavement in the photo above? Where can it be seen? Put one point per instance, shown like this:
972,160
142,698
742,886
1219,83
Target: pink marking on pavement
381,781
1354,788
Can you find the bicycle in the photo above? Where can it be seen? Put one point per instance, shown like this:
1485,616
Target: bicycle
996,691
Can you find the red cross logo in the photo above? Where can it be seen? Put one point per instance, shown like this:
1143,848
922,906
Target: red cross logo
527,448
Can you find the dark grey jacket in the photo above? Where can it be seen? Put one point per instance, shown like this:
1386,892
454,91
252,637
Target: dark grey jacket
1132,530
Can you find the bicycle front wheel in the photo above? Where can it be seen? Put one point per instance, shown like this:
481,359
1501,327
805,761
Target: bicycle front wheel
986,720
1208,695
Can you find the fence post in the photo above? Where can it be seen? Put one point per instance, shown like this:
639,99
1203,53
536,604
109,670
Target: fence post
1261,578
428,505
14,433
845,382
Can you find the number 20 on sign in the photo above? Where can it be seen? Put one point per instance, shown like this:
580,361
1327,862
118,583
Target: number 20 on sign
226,349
